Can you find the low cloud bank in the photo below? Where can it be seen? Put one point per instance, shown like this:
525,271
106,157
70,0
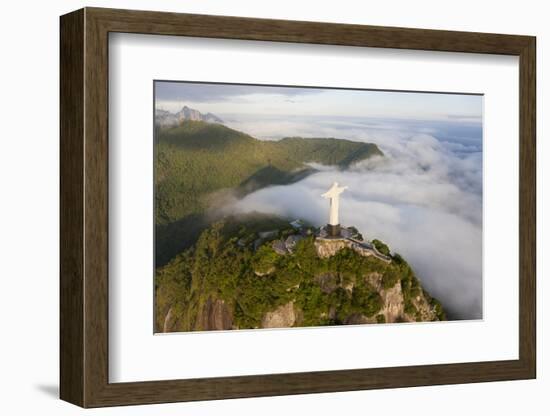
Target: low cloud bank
424,198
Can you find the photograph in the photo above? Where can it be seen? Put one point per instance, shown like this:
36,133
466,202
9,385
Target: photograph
287,206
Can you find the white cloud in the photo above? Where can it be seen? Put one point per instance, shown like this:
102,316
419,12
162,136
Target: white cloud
422,198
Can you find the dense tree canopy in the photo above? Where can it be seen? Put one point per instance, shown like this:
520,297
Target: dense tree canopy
200,165
254,282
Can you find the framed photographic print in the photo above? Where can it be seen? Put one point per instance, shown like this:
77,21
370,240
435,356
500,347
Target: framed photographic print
255,207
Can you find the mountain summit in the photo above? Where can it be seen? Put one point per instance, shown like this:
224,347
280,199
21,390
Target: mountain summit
257,271
165,118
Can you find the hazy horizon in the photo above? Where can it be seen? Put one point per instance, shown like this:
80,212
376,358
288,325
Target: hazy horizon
240,99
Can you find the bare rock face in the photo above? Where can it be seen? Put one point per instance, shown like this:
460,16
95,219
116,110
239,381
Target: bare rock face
375,280
168,321
282,317
166,118
393,309
216,315
328,248
392,303
328,282
424,309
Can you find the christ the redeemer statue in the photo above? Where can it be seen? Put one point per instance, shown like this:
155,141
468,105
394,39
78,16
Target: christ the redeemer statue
333,194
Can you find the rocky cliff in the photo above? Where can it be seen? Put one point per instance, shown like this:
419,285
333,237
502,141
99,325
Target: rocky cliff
327,247
235,280
164,118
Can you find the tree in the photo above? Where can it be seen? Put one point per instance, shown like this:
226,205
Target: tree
264,259
381,247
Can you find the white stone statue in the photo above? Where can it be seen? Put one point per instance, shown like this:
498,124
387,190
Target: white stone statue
334,195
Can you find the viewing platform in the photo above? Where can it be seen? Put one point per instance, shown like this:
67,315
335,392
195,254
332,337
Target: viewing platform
328,246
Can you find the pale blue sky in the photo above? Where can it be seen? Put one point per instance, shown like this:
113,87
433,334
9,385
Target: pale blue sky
266,100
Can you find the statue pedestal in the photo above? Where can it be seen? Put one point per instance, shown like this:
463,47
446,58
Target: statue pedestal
333,230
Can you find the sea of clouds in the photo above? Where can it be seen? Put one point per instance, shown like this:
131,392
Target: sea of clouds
423,198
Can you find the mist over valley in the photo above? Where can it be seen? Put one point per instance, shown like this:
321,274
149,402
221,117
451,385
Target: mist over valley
241,226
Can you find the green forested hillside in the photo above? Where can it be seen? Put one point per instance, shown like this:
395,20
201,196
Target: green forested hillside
198,163
225,281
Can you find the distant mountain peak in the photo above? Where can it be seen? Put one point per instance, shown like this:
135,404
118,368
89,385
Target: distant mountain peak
165,118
